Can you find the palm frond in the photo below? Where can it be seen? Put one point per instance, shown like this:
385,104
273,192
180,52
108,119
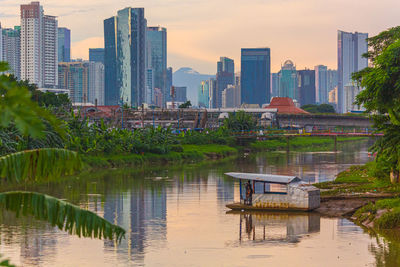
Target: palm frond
62,214
38,164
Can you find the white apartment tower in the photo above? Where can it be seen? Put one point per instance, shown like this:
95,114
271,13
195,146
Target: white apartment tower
351,47
38,46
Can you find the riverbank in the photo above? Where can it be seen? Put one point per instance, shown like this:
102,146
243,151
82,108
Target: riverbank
197,153
183,153
356,193
302,143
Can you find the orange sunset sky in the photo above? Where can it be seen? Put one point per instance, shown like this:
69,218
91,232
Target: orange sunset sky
200,31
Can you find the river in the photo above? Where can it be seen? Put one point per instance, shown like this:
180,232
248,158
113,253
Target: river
176,216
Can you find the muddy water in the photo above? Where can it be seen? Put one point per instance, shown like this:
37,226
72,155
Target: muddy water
177,217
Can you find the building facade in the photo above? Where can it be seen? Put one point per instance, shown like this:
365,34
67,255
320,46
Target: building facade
96,55
225,76
64,45
321,84
274,84
180,94
306,86
204,94
351,47
39,55
125,57
157,57
255,75
287,77
96,83
231,97
11,49
74,76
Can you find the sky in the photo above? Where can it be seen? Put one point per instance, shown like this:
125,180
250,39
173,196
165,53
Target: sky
201,31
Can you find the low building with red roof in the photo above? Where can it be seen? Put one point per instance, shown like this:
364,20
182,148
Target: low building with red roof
285,105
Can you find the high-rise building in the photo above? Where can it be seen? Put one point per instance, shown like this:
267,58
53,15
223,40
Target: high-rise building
332,77
306,86
64,45
255,75
150,86
96,55
321,84
231,97
84,80
274,84
180,94
212,93
38,46
168,84
351,47
157,57
125,57
10,49
96,83
204,94
225,76
74,76
288,81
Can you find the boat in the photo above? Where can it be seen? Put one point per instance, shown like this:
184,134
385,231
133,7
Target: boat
275,192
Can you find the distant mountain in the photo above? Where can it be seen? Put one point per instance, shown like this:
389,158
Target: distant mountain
191,79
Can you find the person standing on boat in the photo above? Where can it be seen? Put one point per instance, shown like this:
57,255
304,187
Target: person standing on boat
249,193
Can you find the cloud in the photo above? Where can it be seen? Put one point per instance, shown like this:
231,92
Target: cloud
81,49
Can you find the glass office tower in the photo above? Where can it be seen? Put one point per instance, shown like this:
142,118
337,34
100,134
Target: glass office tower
255,75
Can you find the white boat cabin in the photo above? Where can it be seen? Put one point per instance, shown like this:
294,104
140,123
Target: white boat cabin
276,192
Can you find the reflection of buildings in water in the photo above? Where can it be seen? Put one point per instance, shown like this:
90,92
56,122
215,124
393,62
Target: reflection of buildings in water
345,226
30,234
142,212
277,226
225,190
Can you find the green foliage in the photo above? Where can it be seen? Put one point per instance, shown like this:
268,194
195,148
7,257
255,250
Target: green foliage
356,174
16,107
381,95
240,121
187,104
6,263
38,164
59,213
323,108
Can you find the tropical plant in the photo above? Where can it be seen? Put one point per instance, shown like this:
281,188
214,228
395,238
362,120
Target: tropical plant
240,121
187,104
19,111
381,94
323,108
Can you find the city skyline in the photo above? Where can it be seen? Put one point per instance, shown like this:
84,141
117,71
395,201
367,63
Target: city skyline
223,35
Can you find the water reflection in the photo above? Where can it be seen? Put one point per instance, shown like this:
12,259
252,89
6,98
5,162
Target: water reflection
280,227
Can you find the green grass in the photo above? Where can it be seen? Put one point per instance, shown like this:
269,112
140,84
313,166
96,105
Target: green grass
189,153
390,217
301,143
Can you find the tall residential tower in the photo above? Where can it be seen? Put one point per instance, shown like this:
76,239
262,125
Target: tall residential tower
351,47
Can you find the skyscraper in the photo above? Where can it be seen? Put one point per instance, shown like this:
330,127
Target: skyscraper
96,83
255,75
274,84
306,86
96,55
321,84
38,46
64,45
74,76
125,57
11,49
168,84
288,81
157,59
351,47
204,94
225,76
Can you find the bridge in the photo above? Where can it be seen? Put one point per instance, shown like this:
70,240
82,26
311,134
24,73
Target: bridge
213,118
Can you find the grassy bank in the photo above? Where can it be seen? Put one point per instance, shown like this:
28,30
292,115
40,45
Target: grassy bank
303,144
382,210
184,153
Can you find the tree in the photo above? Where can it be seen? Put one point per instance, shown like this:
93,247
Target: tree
17,108
381,94
240,121
187,104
